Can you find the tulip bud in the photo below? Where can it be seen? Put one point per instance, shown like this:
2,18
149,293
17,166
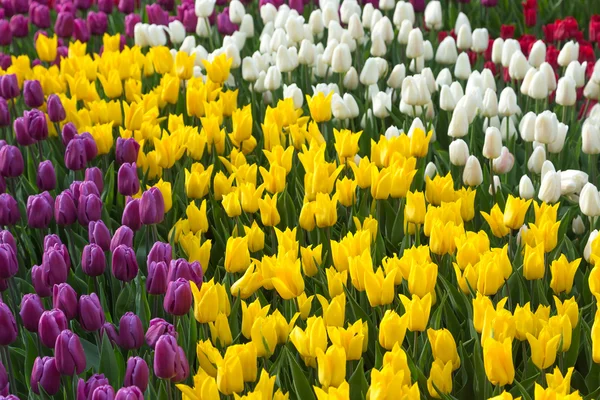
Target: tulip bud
99,234
46,176
550,187
64,298
464,39
382,105
137,373
91,314
8,261
131,214
351,79
31,310
8,333
507,105
189,271
131,332
157,328
178,299
45,375
124,263
589,201
11,161
537,158
590,138
127,151
492,146
9,210
75,154
504,163
397,76
433,15
33,94
459,124
578,226
481,40
127,180
103,392
130,393
566,93
39,210
472,174
89,208
459,152
156,281
40,286
538,88
93,260
569,52
85,389
559,142
414,47
50,325
69,354
446,52
165,357
546,127
341,60
152,207
462,69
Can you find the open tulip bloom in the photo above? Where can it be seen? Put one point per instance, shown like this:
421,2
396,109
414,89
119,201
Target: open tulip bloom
299,200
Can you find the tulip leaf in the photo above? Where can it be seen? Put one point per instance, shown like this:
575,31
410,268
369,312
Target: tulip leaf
302,386
125,301
524,393
573,352
109,186
32,353
358,383
92,357
108,362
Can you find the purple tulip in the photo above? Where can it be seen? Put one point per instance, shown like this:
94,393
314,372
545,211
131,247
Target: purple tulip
131,214
64,298
97,23
33,93
4,385
156,15
40,209
106,6
127,151
7,238
65,210
8,333
93,260
124,263
87,188
110,331
152,207
5,61
46,176
159,327
123,236
20,6
166,354
489,3
40,15
31,311
99,234
56,263
168,5
64,24
89,208
69,354
19,26
22,132
160,252
224,24
83,4
56,111
131,332
5,33
128,182
178,299
91,149
45,375
11,161
131,20
94,174
51,324
37,126
39,284
9,86
130,393
104,392
137,373
86,388
9,209
182,367
69,131
181,268
8,261
51,240
91,314
189,20
156,281
75,156
297,5
4,111
81,31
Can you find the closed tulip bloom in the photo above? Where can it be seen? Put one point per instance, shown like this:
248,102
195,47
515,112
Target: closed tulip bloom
152,207
33,93
392,329
8,258
89,208
124,263
64,298
99,234
75,155
498,363
30,311
131,332
443,346
69,354
590,139
40,286
131,214
546,127
472,174
93,260
181,268
166,357
459,152
94,175
9,210
440,376
9,86
50,325
514,212
45,375
85,389
331,366
103,392
11,161
64,24
137,373
341,60
9,332
40,209
127,150
589,200
5,118
566,92
543,348
46,176
130,393
178,299
433,15
156,280
550,189
417,310
127,181
157,328
533,262
123,236
91,314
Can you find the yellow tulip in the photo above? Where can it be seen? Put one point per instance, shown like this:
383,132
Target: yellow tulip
569,308
595,335
351,339
230,375
231,204
268,210
250,195
273,178
287,278
331,366
220,332
336,281
103,136
369,224
134,116
264,335
166,191
498,323
559,383
481,303
256,237
205,387
304,305
524,322
419,143
277,155
197,217
265,386
387,385
504,396
380,289
210,300
133,89
491,274
495,220
326,210
111,84
498,361
334,313
563,273
381,183
440,376
208,357
544,348
443,346
162,59
467,203
470,247
332,393
533,262
320,106
248,284
287,242
46,47
442,237
170,88
514,211
439,189
242,124
218,69
417,310
184,65
397,360
250,312
392,329
311,259
306,219
362,172
467,279
346,143
308,341
222,185
237,255
415,207
359,266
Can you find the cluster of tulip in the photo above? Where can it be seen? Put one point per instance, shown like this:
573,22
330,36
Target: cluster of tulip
350,202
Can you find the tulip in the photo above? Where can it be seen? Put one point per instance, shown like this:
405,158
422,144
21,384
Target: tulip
124,263
42,288
94,174
166,357
127,181
123,236
75,154
550,187
127,151
64,24
64,298
89,208
130,393
458,151
157,328
50,325
85,389
152,207
590,139
440,376
472,173
39,210
33,94
11,161
68,133
178,298
160,252
331,366
104,392
99,234
69,354
91,314
189,271
392,329
589,200
156,281
9,210
131,332
9,331
45,375
31,310
19,26
137,373
9,86
46,176
9,265
131,214
443,347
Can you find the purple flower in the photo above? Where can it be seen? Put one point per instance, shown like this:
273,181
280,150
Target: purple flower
64,298
9,209
224,24
69,354
45,375
64,24
157,328
5,33
160,252
9,86
131,20
104,392
94,174
65,211
123,236
56,111
152,207
51,324
83,4
46,176
8,261
11,161
124,263
166,354
131,214
182,367
93,260
418,5
33,93
137,373
168,5
99,234
126,7
19,25
40,15
97,23
127,151
178,299
130,393
110,331
156,15
39,284
128,182
75,155
88,187
106,6
69,131
80,30
21,129
51,240
156,281
8,333
89,208
91,150
131,331
4,385
181,268
4,112
91,314
7,238
86,388
31,310
40,209
189,20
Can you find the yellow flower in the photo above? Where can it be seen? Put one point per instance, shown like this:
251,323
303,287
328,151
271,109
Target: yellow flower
287,278
346,144
277,155
331,366
197,182
306,219
467,278
381,183
495,220
218,69
440,376
340,393
250,313
491,274
481,304
533,262
46,47
498,361
264,335
352,339
422,279
369,224
346,190
256,237
220,332
392,329
380,289
334,313
595,335
467,203
396,359
184,65
208,357
248,284
362,172
514,211
237,255
415,207
197,217
419,143
543,348
417,310
229,98
470,247
439,189
387,384
250,195
336,281
326,210
274,178
103,136
242,125
268,210
231,204
569,308
166,191
443,346
230,375
561,325
247,355
209,301
442,237
311,259
205,387
563,273
170,88
524,322
308,341
320,106
111,84
134,116
359,266
162,59
169,148
222,185
559,383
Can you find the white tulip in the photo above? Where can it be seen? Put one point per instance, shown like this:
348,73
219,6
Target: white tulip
587,251
536,160
550,188
459,152
342,59
367,15
497,185
370,72
188,45
236,11
464,40
385,29
527,127
566,92
339,109
259,85
247,26
518,66
549,71
351,79
315,21
444,78
492,121
355,27
487,80
249,69
569,52
387,5
457,90
375,18
293,92
589,201
546,127
526,189
433,15
507,105
431,170
397,76
538,89
497,48
378,47
490,104
459,124
591,90
572,181
140,35
352,105
392,132
348,9
508,130
504,163
547,167
590,137
404,32
404,11
306,54
492,145
481,40
176,31
510,47
446,53
578,226
204,8
295,29
576,71
415,47
415,124
382,105
330,13
287,59
427,50
447,102
557,145
157,35
348,41
273,78
470,103
537,55
472,174
462,69
334,32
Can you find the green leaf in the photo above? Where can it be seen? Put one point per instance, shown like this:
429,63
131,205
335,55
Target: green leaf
573,353
302,386
92,357
358,383
524,393
108,362
124,301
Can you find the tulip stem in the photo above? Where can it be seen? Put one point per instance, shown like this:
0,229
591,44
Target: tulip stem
415,342
492,181
11,375
169,391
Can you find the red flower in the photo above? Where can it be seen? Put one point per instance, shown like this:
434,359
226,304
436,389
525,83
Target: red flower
491,66
566,29
507,31
487,55
594,28
589,70
441,36
530,16
526,42
552,56
549,32
586,52
472,57
505,74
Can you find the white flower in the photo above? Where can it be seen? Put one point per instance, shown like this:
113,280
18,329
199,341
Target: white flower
537,55
557,145
459,124
157,35
492,145
176,31
458,152
536,160
382,104
569,52
504,163
481,40
397,76
566,92
578,226
590,137
539,86
507,105
370,72
404,11
464,40
415,47
141,35
204,8
273,78
472,174
526,189
433,15
462,69
446,52
546,127
447,102
550,187
589,201
236,11
293,92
